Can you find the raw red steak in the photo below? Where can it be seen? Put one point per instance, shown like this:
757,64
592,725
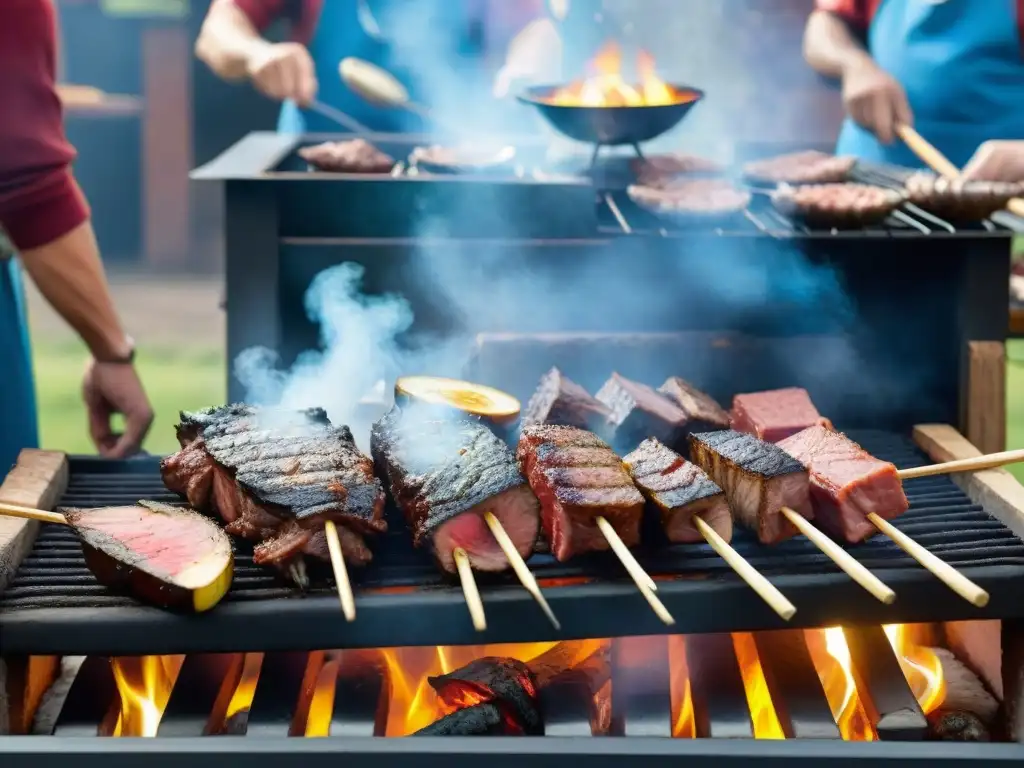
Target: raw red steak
847,483
577,478
776,414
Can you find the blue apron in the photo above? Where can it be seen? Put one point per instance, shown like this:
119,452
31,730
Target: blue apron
962,66
409,32
17,395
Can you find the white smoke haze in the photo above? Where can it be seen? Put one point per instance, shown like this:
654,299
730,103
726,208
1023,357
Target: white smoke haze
531,289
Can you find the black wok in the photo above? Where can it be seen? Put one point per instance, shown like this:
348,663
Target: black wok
610,126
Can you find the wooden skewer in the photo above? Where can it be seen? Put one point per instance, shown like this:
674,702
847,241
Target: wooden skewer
939,163
643,581
28,513
348,600
469,589
846,562
973,464
946,573
622,552
764,588
527,578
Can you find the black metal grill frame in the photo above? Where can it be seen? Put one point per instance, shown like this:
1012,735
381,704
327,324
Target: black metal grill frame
497,752
40,611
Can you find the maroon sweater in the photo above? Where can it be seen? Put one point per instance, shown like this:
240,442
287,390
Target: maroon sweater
39,199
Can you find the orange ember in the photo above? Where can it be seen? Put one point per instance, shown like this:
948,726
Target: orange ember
607,87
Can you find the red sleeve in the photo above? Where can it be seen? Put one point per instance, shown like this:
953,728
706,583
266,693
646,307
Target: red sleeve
303,14
39,199
857,12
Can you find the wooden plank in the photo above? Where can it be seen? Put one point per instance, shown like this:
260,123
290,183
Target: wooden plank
38,479
999,492
986,409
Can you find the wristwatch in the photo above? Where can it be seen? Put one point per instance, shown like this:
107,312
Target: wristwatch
126,359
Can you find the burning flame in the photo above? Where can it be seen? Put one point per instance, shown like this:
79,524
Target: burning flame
920,665
144,684
684,723
241,700
762,711
607,87
831,657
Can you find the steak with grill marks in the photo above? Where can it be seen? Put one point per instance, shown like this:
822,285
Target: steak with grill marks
578,478
444,475
758,478
274,477
680,491
847,483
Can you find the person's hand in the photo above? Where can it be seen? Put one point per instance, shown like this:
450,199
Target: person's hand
875,100
108,389
284,71
997,161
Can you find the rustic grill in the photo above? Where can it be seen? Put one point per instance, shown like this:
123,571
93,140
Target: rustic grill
54,605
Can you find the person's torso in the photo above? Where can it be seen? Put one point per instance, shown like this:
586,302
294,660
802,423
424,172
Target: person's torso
961,63
417,42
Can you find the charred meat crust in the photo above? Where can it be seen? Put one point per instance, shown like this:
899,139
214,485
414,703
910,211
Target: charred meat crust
274,477
758,478
577,478
438,469
678,490
559,400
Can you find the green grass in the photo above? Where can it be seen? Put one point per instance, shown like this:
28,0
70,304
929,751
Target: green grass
176,379
181,378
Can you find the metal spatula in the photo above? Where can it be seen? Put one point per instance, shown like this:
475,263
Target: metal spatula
379,87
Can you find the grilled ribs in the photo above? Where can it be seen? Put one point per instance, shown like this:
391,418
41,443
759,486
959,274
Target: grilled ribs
847,483
679,491
578,478
444,475
758,478
274,477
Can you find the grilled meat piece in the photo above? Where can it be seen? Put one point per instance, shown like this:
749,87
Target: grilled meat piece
703,414
444,475
680,491
656,170
960,199
355,156
164,555
758,478
506,682
776,414
578,478
274,477
559,400
838,205
638,411
847,483
806,167
691,198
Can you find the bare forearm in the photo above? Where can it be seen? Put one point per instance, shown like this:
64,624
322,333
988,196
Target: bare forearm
829,45
228,41
69,273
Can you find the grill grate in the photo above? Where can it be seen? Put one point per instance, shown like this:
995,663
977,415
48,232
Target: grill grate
55,605
620,215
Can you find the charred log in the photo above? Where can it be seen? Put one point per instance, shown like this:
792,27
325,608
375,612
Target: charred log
484,719
507,683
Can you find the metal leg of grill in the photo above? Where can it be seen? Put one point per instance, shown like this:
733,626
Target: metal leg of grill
719,700
204,685
92,698
888,701
794,686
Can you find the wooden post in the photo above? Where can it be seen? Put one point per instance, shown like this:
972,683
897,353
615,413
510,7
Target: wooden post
986,408
166,144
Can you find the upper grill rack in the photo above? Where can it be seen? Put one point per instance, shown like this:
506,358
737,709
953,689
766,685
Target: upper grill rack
54,604
620,215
